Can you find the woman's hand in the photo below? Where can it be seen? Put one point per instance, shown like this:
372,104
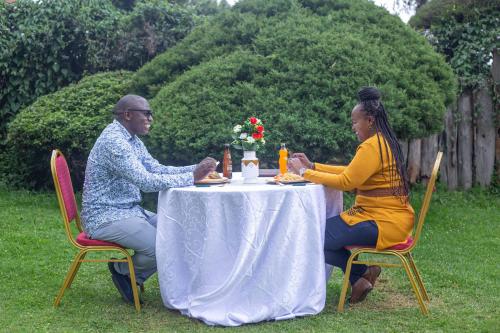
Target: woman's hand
294,165
305,161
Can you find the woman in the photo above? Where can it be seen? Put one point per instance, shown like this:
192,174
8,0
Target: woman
382,215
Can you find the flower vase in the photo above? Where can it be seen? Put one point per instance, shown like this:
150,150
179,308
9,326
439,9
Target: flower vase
249,167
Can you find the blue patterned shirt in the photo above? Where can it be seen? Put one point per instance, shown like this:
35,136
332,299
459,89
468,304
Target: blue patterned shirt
119,167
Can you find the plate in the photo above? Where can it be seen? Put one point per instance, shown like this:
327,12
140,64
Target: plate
302,181
210,181
290,182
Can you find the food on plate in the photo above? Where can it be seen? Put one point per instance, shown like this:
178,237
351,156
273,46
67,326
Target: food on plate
288,177
214,175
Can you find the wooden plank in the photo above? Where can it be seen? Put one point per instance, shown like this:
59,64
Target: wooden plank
465,140
451,149
443,171
484,143
404,148
428,156
495,72
414,156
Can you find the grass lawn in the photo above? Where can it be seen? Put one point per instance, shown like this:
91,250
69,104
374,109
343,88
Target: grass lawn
458,257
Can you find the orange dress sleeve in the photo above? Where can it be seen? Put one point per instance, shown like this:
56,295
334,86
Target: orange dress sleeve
364,164
335,169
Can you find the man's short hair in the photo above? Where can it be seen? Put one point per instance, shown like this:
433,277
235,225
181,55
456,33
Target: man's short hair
126,102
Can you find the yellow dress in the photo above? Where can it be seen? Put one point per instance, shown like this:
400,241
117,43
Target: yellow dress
394,217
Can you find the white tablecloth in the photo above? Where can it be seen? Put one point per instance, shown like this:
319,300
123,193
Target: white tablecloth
244,253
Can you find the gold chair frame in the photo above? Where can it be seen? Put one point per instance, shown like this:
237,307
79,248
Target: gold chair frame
84,250
404,256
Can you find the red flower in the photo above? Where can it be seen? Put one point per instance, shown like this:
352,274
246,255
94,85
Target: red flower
253,120
257,136
260,128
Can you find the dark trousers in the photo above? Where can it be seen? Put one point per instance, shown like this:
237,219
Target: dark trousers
339,234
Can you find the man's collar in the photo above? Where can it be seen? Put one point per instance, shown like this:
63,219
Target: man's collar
122,129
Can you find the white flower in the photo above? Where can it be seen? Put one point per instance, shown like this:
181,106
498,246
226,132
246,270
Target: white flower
243,136
250,139
263,141
237,129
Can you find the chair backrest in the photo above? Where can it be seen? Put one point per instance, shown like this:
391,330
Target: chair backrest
427,198
64,191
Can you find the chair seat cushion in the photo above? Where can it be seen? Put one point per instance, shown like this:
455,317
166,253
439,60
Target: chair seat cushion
84,240
397,247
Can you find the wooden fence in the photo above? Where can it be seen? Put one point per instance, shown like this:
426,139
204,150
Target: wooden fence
470,140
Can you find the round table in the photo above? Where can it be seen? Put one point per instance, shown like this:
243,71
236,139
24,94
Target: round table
242,253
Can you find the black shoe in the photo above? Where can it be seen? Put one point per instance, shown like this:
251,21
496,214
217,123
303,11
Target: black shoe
122,283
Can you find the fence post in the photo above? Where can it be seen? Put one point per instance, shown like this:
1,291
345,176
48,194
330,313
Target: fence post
414,156
484,139
429,152
451,148
465,139
495,71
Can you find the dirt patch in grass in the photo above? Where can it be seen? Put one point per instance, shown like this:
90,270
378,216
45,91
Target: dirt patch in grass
391,293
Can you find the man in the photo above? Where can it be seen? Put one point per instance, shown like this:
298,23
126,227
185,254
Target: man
119,167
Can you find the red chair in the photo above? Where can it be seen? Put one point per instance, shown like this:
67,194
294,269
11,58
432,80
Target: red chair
401,251
69,212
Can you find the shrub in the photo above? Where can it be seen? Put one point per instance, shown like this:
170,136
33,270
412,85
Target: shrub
70,119
45,45
218,36
299,70
466,32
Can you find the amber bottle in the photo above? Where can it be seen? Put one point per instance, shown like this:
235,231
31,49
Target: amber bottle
227,165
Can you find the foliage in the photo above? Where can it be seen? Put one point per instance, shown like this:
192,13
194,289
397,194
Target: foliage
70,119
219,36
124,4
298,65
250,135
466,32
44,45
459,229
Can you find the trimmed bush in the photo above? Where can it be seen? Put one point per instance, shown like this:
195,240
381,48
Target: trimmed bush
45,45
70,119
298,68
219,36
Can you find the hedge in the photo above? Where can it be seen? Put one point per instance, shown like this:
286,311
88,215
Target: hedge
45,45
298,68
466,32
70,119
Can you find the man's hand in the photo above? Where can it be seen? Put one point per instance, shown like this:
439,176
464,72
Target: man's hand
206,166
305,161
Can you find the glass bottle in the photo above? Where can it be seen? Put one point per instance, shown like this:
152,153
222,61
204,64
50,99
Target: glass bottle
283,159
227,165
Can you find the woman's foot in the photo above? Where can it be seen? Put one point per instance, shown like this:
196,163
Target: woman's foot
372,273
360,290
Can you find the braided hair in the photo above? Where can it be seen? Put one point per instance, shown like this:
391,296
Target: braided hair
369,99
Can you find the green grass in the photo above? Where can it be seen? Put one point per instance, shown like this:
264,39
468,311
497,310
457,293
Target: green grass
458,258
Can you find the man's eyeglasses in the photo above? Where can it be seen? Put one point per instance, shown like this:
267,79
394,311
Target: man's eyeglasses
145,112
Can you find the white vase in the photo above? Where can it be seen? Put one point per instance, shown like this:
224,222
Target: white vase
249,167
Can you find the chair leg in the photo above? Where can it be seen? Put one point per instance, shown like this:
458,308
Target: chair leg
345,284
69,276
418,277
133,282
76,269
416,290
